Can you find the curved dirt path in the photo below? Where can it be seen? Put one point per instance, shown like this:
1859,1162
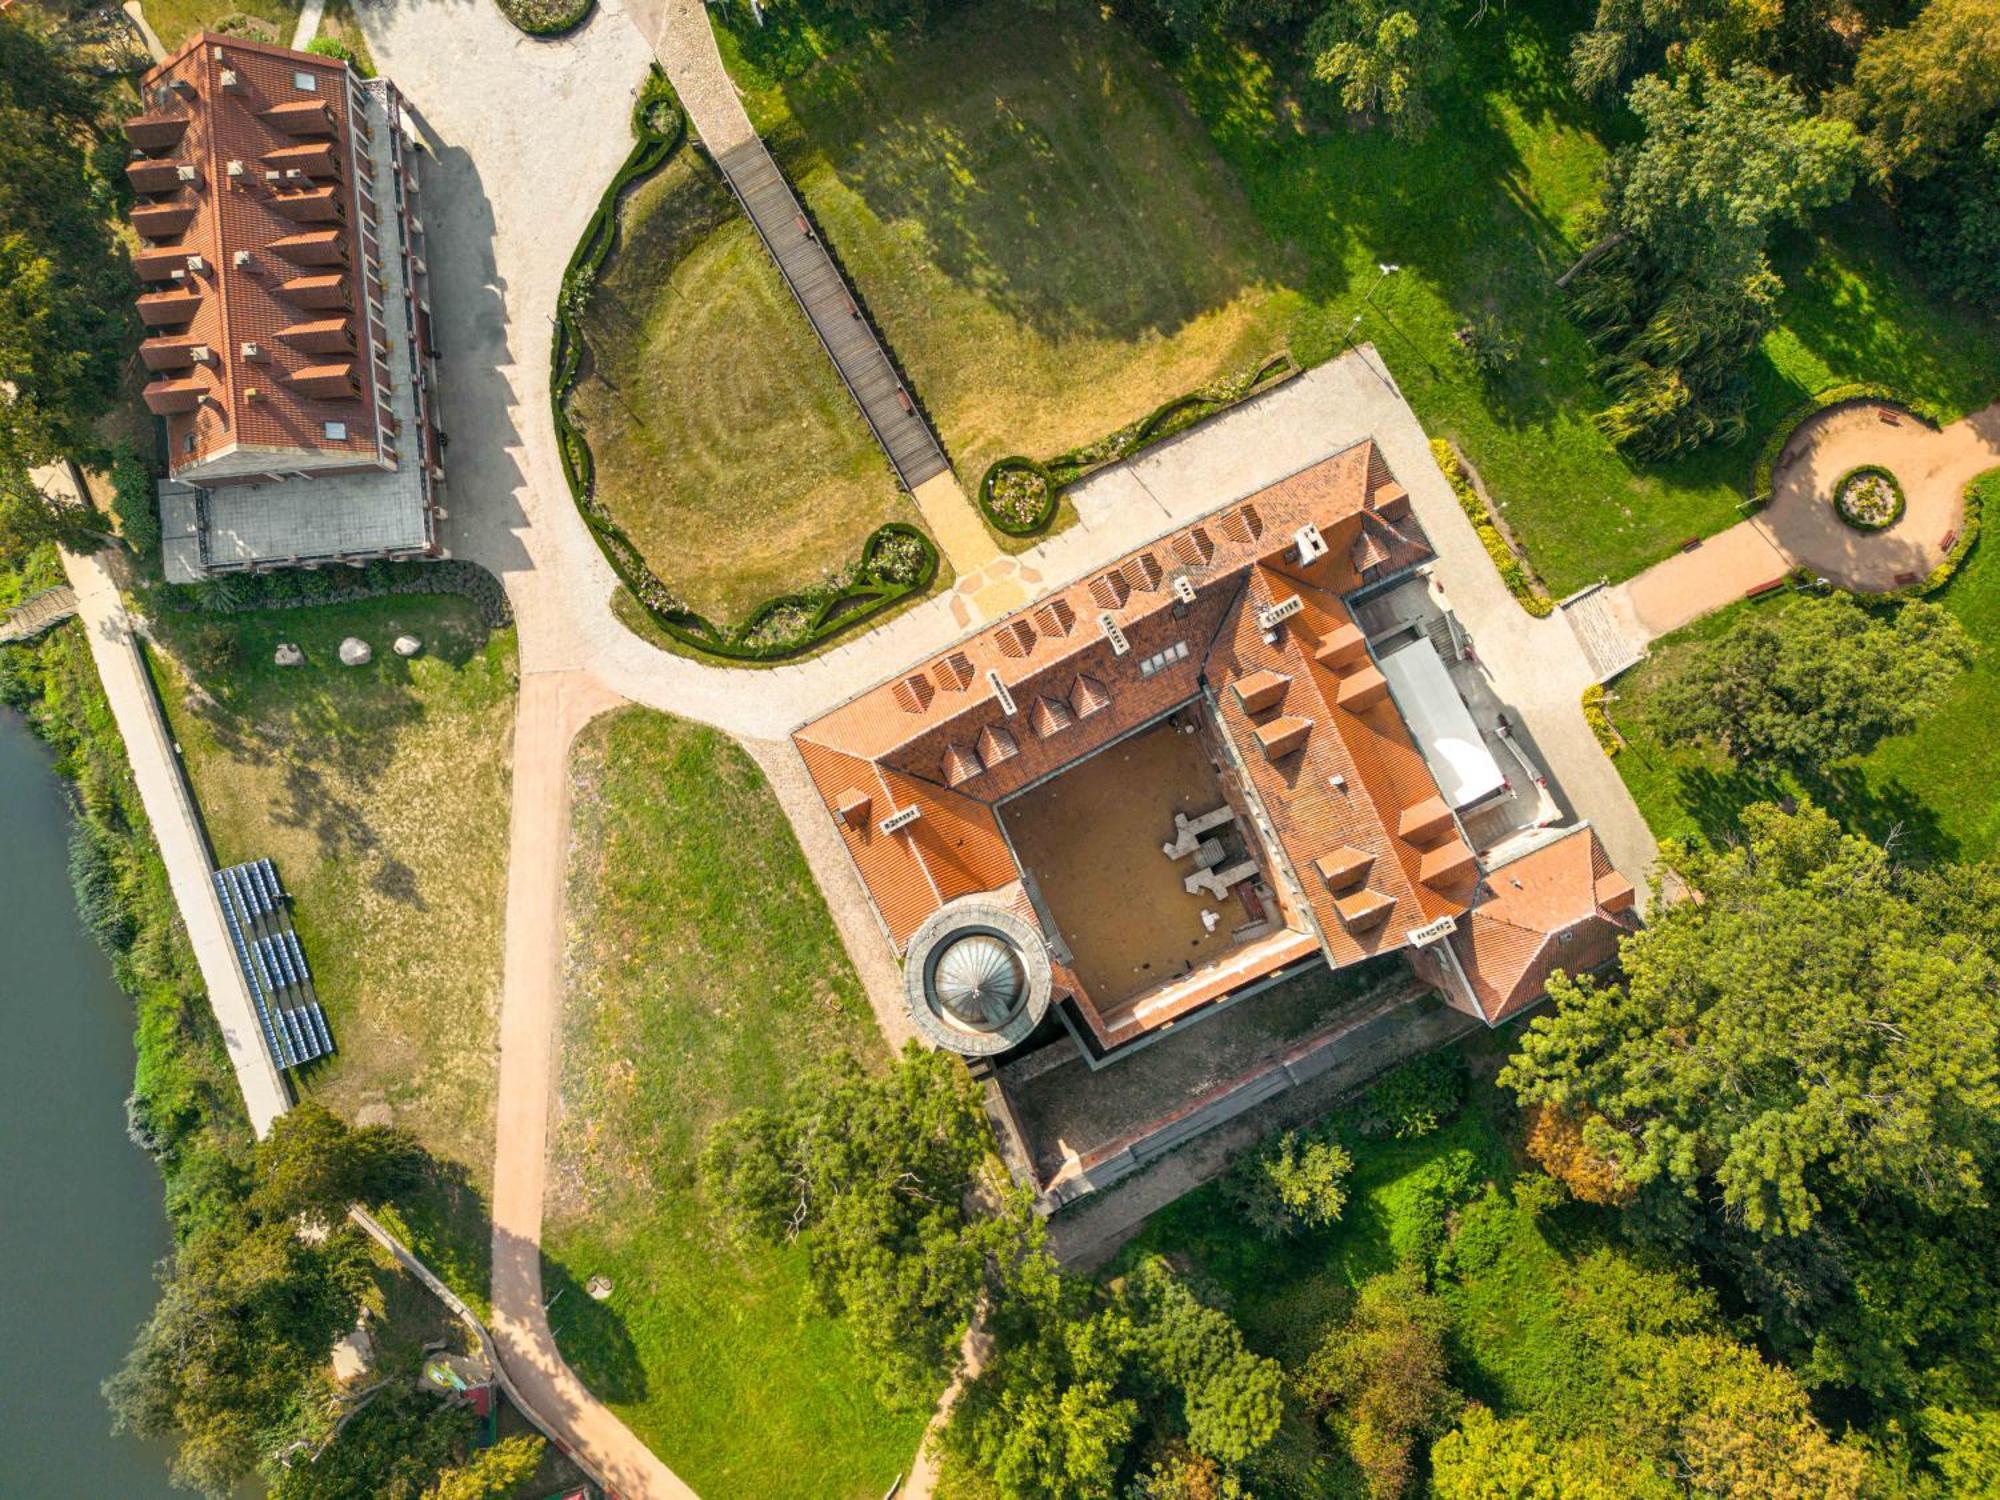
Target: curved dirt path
1798,528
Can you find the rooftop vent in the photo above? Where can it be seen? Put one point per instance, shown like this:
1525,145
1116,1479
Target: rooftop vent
1113,634
230,81
1184,588
201,354
253,350
1310,545
197,263
1001,695
1271,616
186,172
234,169
901,819
241,260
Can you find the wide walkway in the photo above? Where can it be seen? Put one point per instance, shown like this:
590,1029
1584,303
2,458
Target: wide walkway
170,808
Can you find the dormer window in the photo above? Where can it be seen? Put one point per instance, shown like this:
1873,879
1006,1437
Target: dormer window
306,81
336,432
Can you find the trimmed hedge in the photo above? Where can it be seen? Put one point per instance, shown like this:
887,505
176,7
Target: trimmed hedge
896,561
546,19
1169,419
1832,396
1513,572
297,588
1868,471
1598,717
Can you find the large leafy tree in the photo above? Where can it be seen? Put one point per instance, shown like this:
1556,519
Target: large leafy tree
313,1165
1922,90
1485,1458
1954,216
1381,1379
1803,1031
1384,57
1816,683
873,1174
65,296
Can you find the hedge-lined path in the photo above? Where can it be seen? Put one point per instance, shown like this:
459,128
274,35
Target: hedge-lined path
1799,529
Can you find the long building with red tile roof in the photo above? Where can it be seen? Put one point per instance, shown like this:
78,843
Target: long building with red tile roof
1240,626
287,332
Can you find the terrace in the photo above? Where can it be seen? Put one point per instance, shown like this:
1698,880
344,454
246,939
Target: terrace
1117,906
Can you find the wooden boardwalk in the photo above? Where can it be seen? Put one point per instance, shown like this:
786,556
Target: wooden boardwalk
46,610
830,307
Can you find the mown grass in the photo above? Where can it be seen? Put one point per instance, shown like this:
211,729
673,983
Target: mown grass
704,974
725,444
1045,237
380,793
174,21
1053,251
1933,789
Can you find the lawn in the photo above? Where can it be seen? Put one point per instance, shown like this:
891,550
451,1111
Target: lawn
380,793
1933,788
704,973
1057,250
726,446
1048,242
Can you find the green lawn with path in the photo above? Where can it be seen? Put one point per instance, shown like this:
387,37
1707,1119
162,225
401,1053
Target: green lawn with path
725,444
704,973
1933,789
1057,249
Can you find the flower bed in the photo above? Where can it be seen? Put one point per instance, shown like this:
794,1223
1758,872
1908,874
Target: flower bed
1868,498
1019,495
1513,572
896,560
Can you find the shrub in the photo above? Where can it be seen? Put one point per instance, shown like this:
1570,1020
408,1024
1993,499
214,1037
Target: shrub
334,47
93,876
1598,717
546,18
1018,496
135,502
1557,1140
1417,1232
1413,1100
1292,1183
1491,348
1513,572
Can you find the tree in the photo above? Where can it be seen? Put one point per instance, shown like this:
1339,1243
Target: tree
1484,1458
1182,1346
1556,1141
1384,58
872,1176
492,1473
391,1448
1804,1031
65,292
1381,1382
313,1165
1954,217
1815,684
1722,161
1921,90
1292,1183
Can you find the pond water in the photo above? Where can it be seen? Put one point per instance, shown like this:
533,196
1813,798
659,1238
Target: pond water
81,1222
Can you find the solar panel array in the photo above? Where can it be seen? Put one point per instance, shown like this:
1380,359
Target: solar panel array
260,925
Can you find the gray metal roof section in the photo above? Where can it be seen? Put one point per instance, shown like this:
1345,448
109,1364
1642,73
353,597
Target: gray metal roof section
977,978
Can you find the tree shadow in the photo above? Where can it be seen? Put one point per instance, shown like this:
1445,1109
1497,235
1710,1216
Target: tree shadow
1715,797
592,1336
1889,814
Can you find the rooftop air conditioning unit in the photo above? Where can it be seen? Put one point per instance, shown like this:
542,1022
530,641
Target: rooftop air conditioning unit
1184,588
241,260
1112,633
1311,545
293,174
1272,616
228,80
234,169
272,174
186,172
253,350
201,354
197,263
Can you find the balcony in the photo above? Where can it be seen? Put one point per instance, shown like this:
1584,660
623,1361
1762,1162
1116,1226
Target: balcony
156,132
166,398
169,309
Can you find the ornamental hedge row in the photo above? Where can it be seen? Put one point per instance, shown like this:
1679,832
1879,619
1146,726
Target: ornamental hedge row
1833,395
1019,495
896,561
546,20
1513,572
1978,491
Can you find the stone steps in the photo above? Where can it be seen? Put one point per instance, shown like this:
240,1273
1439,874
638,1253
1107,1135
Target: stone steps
1605,629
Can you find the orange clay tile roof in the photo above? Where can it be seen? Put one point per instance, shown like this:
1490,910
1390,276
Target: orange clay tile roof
225,116
940,738
1553,908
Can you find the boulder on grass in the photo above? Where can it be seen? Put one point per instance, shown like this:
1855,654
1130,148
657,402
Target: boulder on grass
408,645
288,655
354,652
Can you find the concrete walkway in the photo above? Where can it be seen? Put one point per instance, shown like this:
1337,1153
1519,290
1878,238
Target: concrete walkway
1798,528
170,808
308,27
